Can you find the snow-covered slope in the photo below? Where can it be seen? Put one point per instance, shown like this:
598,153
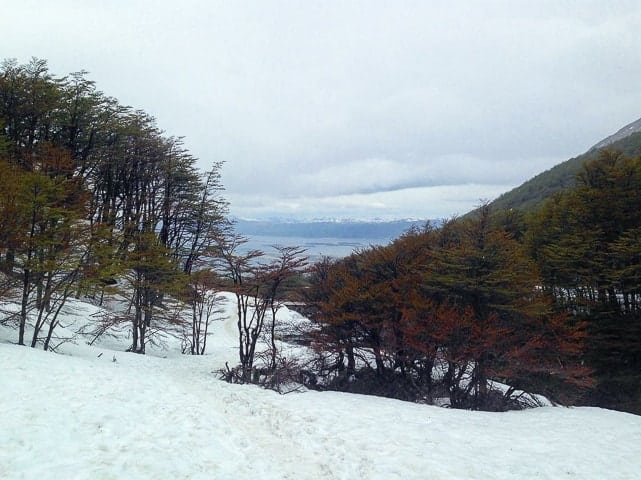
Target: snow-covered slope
624,132
96,413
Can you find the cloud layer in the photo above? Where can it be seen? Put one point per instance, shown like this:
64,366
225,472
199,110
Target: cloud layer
358,109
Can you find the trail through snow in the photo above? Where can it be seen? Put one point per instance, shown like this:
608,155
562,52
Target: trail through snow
79,415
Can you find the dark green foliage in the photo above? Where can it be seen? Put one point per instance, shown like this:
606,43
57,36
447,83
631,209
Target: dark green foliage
586,242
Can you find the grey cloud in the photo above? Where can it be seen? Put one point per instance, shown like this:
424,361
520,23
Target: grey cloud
420,203
357,106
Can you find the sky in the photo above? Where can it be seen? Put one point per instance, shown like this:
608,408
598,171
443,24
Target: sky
354,109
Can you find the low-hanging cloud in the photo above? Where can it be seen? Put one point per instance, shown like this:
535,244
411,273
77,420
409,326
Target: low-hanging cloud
363,108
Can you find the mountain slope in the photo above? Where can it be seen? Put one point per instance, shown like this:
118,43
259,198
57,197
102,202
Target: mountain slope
624,132
562,176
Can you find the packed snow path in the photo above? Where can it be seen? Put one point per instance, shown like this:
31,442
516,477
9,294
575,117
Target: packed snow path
88,417
81,415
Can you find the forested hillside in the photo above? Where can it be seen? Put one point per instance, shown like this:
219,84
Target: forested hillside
587,244
548,302
536,190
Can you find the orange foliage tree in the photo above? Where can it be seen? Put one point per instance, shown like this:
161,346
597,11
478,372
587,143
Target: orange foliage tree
452,312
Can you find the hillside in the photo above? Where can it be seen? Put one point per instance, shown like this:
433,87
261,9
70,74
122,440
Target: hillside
563,175
96,412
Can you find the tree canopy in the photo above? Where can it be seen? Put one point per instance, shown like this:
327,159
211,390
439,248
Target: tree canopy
94,194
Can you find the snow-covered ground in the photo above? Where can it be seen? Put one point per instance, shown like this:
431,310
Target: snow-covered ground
100,413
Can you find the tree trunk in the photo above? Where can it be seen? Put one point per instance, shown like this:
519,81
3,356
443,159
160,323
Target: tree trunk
272,338
23,305
141,338
351,360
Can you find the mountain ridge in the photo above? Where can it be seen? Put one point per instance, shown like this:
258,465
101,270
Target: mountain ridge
626,131
562,176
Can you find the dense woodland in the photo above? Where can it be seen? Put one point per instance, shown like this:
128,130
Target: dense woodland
97,202
93,196
544,301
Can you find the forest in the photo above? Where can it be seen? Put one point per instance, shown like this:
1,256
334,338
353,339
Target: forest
481,312
545,301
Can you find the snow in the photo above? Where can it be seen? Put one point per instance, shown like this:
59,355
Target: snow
96,412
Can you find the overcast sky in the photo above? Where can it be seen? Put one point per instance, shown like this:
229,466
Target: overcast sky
357,109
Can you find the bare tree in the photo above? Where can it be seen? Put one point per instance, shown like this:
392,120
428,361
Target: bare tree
204,301
239,269
289,263
258,289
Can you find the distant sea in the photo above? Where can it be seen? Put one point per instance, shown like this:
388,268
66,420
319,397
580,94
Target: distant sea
316,248
321,238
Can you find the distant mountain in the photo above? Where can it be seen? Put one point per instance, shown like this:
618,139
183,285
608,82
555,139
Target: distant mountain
563,176
326,229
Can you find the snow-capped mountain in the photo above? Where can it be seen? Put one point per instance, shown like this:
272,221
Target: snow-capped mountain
624,132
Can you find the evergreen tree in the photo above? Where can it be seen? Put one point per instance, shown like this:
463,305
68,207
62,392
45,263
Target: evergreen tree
586,243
